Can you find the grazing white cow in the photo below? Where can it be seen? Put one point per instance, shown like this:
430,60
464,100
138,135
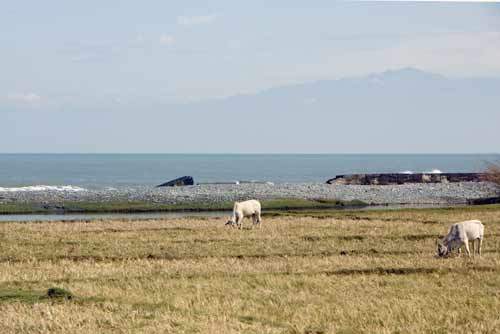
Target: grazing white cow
460,234
244,209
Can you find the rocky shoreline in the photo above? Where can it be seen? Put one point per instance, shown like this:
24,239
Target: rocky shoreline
413,194
406,178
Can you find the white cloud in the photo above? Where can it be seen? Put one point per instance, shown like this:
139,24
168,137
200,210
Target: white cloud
166,39
24,97
192,20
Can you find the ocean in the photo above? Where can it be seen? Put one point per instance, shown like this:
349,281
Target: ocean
77,172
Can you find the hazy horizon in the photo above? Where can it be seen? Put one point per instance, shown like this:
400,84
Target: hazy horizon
254,153
216,77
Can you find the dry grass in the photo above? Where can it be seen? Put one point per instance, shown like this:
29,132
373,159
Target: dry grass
492,173
372,272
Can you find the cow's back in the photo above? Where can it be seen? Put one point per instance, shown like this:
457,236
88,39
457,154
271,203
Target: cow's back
474,229
249,207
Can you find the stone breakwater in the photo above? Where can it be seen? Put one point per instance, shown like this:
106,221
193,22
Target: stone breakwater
402,178
449,193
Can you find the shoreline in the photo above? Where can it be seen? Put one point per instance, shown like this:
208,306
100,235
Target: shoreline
278,204
206,198
217,215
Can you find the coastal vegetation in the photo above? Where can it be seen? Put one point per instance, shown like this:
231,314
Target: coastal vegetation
492,173
143,206
305,271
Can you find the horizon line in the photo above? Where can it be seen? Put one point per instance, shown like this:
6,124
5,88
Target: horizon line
249,153
448,1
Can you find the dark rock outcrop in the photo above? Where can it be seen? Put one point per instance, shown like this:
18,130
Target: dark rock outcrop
396,178
181,181
50,207
483,201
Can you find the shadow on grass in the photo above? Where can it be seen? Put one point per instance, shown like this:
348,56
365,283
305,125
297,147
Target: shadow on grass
313,238
115,230
170,257
165,256
414,237
16,295
54,294
407,237
407,271
31,297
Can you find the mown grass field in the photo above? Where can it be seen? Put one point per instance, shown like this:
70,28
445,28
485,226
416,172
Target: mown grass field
309,272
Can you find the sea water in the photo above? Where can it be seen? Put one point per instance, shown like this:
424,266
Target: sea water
79,172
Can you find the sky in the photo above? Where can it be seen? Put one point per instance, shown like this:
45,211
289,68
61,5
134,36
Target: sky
98,76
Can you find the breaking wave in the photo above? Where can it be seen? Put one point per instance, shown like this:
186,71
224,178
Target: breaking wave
434,171
41,188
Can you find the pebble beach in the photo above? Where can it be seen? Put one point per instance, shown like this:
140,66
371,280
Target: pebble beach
408,194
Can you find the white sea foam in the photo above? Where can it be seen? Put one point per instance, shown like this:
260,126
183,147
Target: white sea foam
434,171
41,188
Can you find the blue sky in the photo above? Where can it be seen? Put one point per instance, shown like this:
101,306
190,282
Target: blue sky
94,57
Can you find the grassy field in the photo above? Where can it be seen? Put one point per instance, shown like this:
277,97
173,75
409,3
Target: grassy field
307,272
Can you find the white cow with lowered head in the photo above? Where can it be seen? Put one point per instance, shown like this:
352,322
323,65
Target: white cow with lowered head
250,208
460,234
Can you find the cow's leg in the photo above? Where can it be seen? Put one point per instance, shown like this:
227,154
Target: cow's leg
473,249
240,222
466,244
259,220
480,241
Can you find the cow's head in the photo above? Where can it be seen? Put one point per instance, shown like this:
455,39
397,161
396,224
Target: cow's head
231,222
442,250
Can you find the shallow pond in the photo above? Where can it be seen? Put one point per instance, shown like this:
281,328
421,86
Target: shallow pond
183,214
91,216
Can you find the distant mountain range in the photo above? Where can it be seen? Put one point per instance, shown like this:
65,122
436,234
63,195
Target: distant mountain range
402,90
406,110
